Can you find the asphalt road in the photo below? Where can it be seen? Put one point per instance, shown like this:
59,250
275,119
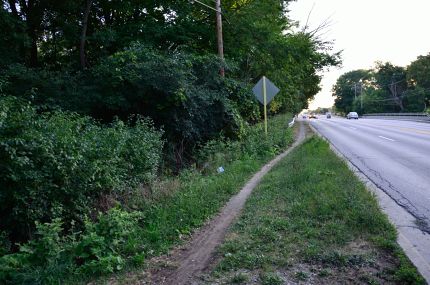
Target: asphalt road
394,154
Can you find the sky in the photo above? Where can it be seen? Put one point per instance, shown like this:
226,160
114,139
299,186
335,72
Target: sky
367,31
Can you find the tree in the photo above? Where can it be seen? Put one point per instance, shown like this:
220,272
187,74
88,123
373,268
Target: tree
71,41
418,77
348,86
392,79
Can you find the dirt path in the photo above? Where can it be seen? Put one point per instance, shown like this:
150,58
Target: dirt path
196,256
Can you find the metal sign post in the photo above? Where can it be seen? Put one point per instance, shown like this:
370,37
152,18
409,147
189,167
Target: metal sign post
265,91
265,104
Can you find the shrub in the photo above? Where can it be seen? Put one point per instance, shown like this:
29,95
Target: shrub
102,247
58,165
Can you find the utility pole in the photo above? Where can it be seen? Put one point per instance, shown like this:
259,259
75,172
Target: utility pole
393,88
361,93
219,35
355,90
220,43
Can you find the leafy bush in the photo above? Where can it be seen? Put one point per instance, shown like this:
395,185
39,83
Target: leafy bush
251,143
180,91
102,247
59,165
45,88
42,260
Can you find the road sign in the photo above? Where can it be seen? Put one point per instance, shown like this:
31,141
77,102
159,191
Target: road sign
271,90
265,90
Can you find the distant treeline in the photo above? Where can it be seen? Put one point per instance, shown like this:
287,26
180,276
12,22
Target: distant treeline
385,89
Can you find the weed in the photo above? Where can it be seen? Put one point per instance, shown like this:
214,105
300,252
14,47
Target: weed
240,278
302,275
368,279
324,273
270,278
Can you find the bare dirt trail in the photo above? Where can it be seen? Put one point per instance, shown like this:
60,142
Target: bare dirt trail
196,256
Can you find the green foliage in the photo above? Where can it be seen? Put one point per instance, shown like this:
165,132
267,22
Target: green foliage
270,278
240,278
46,89
417,74
60,164
267,46
102,247
69,153
386,89
345,90
165,215
5,244
252,143
407,273
49,35
169,87
14,40
417,71
42,260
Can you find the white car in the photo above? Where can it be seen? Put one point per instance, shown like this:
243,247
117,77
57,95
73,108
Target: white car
352,115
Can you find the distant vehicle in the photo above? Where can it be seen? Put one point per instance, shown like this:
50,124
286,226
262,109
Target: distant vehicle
313,116
352,115
328,115
304,116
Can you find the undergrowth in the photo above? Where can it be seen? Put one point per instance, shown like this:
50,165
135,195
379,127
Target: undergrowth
147,220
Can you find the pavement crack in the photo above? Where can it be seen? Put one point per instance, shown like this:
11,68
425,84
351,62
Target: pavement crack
421,221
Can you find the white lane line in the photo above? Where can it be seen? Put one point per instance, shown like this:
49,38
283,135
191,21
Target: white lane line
353,128
388,139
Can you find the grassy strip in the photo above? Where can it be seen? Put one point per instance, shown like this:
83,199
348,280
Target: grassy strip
312,221
196,196
179,205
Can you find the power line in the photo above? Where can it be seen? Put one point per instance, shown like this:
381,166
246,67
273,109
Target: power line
203,4
220,42
380,86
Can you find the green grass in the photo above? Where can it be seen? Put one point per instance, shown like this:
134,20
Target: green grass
311,212
197,197
179,205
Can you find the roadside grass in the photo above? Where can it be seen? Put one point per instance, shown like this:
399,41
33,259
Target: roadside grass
312,221
176,206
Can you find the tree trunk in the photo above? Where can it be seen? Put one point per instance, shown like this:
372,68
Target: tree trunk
32,24
82,55
397,99
33,48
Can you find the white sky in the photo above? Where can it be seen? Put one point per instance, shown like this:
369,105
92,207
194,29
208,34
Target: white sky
397,31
